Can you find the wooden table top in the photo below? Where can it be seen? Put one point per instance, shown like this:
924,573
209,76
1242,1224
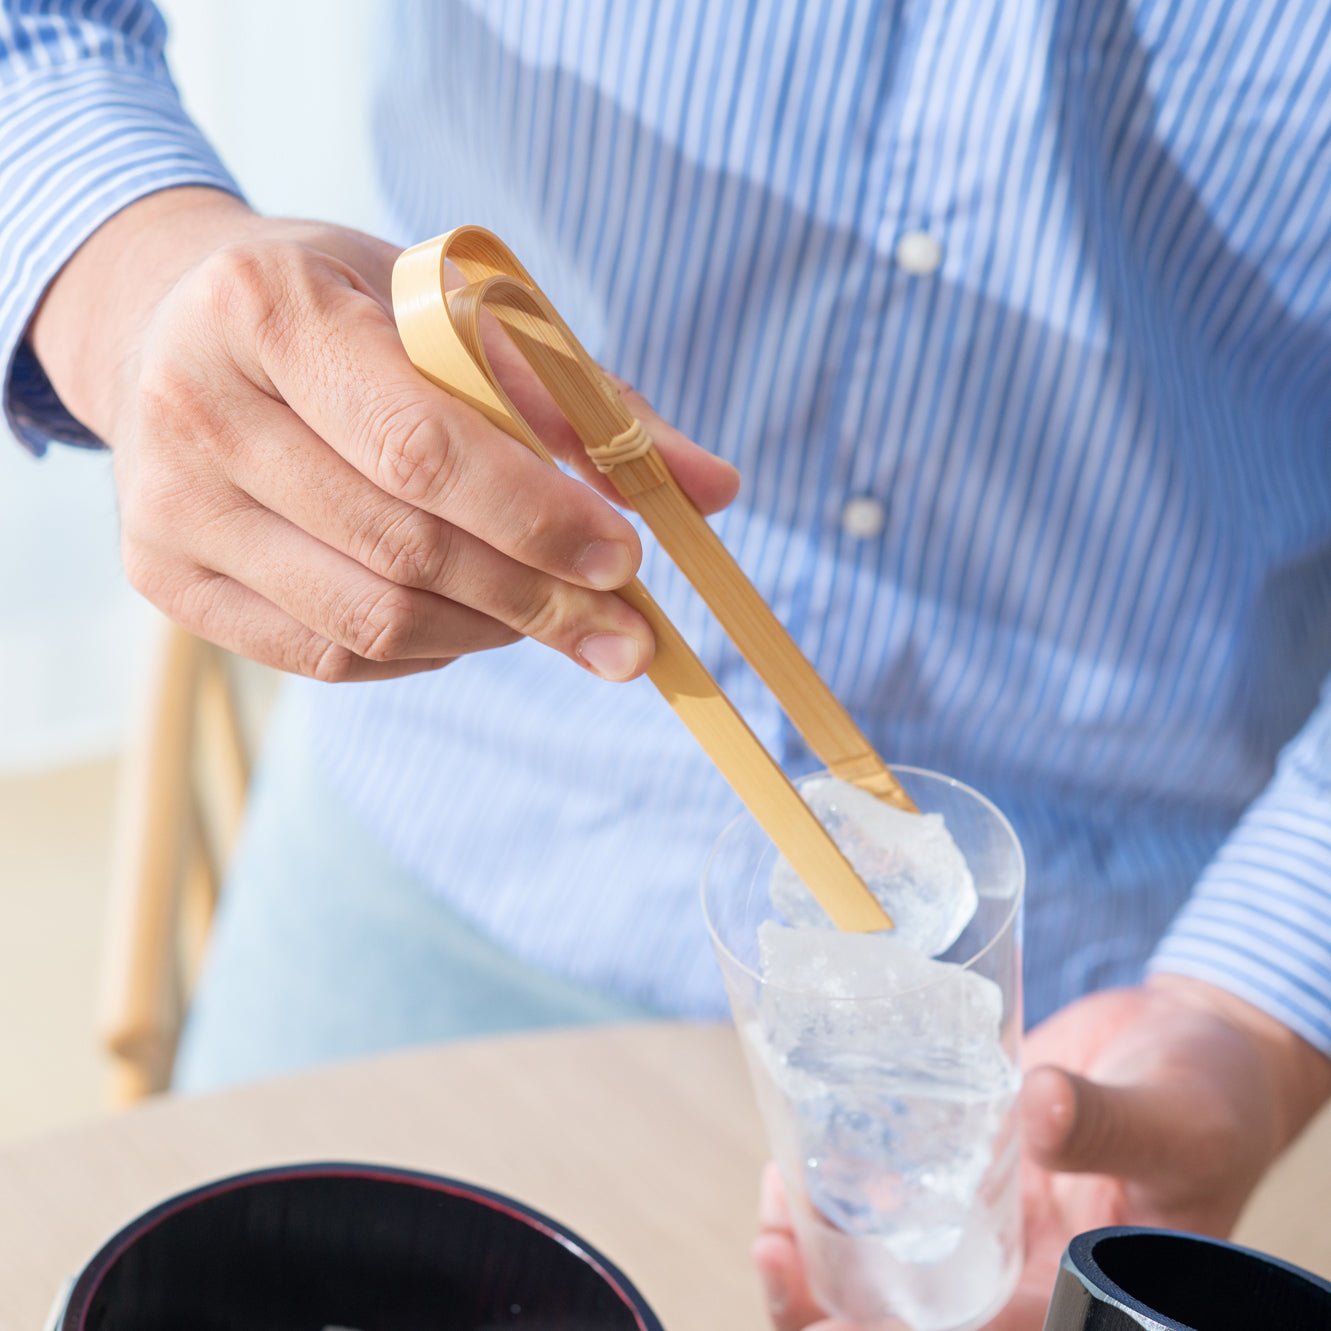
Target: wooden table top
643,1139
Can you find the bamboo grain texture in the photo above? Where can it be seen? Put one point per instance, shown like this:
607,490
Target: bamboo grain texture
441,329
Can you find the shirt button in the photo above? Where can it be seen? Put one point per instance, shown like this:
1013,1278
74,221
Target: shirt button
919,253
863,517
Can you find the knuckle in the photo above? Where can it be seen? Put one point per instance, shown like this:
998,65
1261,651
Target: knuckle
199,598
142,568
381,626
412,549
175,585
328,662
175,409
241,282
418,457
176,403
545,523
164,394
182,592
538,614
548,521
276,290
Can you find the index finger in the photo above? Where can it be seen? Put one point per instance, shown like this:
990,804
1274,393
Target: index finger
336,360
776,1255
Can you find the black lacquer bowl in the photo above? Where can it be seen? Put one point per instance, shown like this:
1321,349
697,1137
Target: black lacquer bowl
1127,1279
349,1246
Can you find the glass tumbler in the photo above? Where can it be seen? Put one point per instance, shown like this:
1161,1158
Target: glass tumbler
892,1114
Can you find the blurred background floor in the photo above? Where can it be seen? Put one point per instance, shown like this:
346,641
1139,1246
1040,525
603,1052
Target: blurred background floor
55,833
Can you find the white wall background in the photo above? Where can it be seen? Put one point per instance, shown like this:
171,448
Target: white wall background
283,89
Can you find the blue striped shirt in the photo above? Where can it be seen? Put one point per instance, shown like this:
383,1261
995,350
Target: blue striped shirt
1016,319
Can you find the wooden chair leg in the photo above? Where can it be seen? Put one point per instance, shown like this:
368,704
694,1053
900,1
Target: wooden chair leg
221,738
140,999
198,899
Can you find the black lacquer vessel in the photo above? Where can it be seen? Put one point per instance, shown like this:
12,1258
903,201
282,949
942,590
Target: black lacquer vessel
1126,1279
317,1246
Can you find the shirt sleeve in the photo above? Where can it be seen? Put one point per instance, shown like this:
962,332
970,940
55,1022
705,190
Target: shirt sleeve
89,122
1259,921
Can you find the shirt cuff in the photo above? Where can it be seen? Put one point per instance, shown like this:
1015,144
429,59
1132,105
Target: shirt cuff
1258,923
77,144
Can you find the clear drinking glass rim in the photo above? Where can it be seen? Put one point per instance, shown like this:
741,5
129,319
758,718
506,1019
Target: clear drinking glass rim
970,961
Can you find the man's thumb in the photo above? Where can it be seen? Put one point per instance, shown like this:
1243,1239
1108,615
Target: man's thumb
1078,1126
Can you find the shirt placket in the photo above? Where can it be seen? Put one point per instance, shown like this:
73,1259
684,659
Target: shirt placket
848,513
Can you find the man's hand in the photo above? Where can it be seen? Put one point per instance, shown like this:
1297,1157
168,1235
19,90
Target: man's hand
291,487
1161,1105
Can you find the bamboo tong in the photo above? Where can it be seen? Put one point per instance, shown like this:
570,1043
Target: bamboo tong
441,330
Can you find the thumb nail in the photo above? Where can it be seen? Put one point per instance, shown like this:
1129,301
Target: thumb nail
1050,1103
610,655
